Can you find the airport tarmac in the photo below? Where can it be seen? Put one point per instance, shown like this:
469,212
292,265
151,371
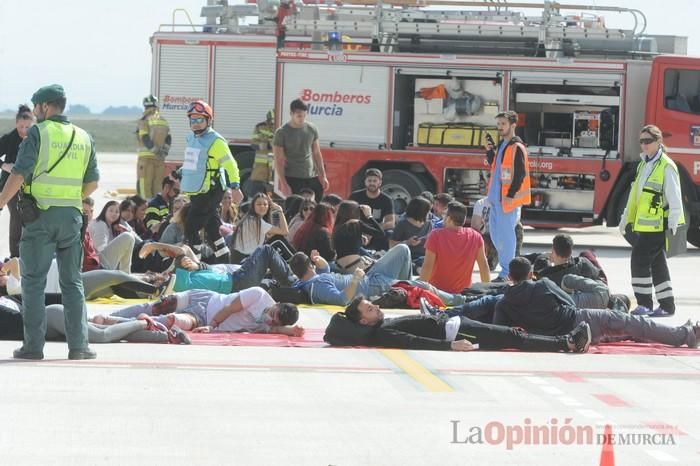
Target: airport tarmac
207,405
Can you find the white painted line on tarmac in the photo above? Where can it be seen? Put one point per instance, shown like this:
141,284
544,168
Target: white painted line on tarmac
662,456
536,380
589,413
551,390
569,401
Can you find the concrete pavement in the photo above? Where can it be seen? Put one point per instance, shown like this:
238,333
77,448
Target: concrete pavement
203,405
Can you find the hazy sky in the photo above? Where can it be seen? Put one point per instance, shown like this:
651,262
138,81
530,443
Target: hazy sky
99,50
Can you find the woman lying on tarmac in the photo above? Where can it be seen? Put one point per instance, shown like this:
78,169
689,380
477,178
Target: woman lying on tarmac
140,330
96,283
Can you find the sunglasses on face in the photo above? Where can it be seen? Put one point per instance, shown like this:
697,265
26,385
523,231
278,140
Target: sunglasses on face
197,120
307,209
646,140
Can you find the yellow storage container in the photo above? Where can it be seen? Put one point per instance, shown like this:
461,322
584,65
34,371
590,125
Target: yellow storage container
454,134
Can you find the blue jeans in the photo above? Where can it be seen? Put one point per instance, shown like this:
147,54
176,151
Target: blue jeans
250,274
255,267
480,309
394,265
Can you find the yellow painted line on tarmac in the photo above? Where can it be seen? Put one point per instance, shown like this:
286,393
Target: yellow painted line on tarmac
416,371
406,363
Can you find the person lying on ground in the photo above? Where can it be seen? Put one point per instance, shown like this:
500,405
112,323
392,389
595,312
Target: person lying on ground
133,330
542,307
96,283
363,323
191,274
324,287
251,310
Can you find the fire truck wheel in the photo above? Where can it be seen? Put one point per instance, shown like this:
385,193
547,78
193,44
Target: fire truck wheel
401,186
694,235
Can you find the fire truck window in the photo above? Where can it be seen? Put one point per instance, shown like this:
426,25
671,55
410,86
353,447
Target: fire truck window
682,91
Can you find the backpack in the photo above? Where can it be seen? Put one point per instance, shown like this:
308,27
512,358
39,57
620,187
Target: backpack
394,298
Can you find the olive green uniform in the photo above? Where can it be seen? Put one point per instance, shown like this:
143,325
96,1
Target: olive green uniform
55,232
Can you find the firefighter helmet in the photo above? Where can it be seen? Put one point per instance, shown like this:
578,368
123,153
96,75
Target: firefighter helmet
150,101
200,107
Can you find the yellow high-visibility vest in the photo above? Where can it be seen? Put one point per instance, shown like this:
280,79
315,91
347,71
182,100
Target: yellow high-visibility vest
63,186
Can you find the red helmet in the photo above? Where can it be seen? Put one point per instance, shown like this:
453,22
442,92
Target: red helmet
200,107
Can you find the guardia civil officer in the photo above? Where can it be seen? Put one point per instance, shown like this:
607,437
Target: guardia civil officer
654,206
208,169
56,166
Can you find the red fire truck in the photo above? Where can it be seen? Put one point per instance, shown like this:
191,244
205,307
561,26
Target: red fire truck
413,91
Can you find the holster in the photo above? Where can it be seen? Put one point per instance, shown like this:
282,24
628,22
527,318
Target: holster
28,209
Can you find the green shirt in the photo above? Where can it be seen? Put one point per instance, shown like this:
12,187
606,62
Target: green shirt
297,143
29,154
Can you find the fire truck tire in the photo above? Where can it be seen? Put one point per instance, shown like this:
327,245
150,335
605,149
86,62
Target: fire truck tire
694,235
401,186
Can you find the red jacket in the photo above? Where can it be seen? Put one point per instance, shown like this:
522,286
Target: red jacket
415,293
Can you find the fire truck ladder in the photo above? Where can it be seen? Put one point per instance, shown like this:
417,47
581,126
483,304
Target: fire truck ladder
410,26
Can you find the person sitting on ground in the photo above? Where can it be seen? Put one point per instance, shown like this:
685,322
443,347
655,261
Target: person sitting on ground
559,262
324,287
138,222
305,209
333,200
307,194
133,331
413,228
315,232
542,307
363,323
159,207
250,310
126,217
228,212
257,226
440,203
190,274
291,206
353,225
114,246
176,205
575,275
450,253
381,207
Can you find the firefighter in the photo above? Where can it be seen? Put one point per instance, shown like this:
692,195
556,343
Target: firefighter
509,188
654,206
58,167
261,175
208,169
153,137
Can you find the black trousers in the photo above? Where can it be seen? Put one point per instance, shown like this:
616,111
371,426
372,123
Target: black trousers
650,272
497,337
296,184
15,226
204,214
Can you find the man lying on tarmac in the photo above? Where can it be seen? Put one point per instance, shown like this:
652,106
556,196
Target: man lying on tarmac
250,310
363,324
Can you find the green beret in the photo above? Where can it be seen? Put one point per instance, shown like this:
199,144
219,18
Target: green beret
48,93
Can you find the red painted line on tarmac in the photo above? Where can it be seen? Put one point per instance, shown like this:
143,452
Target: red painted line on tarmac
583,374
663,428
569,377
612,400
